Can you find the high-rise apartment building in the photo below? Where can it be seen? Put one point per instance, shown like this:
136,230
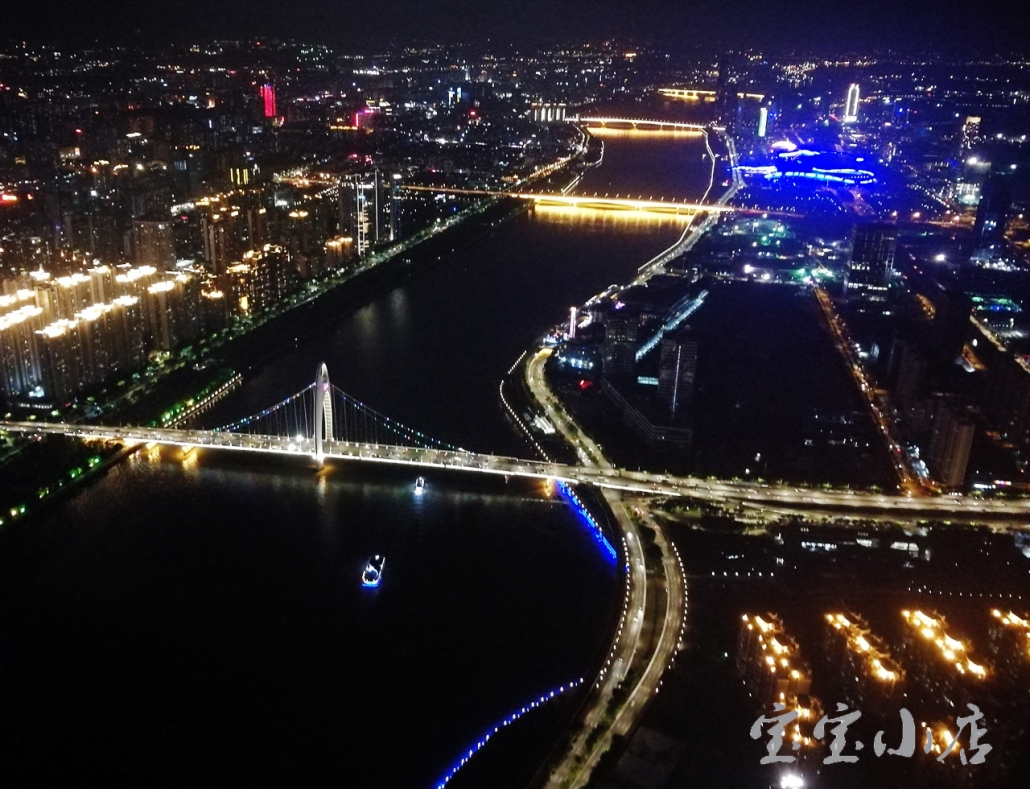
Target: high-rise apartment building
19,356
153,243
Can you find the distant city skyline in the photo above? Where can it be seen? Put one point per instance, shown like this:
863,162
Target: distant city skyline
835,27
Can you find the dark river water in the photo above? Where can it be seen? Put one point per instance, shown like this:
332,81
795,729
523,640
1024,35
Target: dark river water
198,620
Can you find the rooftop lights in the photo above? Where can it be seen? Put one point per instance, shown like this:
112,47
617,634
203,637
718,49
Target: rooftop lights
931,628
867,646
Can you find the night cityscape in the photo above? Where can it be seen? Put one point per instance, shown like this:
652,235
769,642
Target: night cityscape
547,397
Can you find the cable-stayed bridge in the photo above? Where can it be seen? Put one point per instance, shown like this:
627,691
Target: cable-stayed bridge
322,414
322,422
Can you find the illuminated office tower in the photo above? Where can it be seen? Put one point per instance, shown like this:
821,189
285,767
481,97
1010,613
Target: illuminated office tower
872,257
676,372
392,217
268,97
19,357
992,212
620,343
362,203
851,105
153,243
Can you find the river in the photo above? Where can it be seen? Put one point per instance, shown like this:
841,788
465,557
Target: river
198,619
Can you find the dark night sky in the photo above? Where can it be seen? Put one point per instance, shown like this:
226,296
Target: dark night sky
831,26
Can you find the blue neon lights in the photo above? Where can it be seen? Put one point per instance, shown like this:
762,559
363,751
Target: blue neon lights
507,721
816,165
587,518
848,176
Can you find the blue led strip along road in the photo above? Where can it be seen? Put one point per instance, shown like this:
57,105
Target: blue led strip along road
507,721
585,515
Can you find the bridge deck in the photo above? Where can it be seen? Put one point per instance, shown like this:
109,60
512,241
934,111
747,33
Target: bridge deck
756,495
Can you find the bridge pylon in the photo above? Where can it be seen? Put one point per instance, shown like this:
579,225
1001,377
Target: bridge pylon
323,413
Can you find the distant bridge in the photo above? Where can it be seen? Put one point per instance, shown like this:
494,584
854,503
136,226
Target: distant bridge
697,94
616,202
637,123
322,422
624,202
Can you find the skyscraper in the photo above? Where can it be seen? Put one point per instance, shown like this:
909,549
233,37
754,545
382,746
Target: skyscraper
620,343
912,371
19,357
363,211
992,212
851,104
950,444
676,372
153,243
61,359
872,257
268,97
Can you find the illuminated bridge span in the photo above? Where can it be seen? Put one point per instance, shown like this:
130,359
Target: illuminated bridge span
325,416
696,94
627,202
637,123
322,422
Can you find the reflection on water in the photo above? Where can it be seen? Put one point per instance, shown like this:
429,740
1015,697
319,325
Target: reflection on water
191,610
641,134
215,599
627,219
